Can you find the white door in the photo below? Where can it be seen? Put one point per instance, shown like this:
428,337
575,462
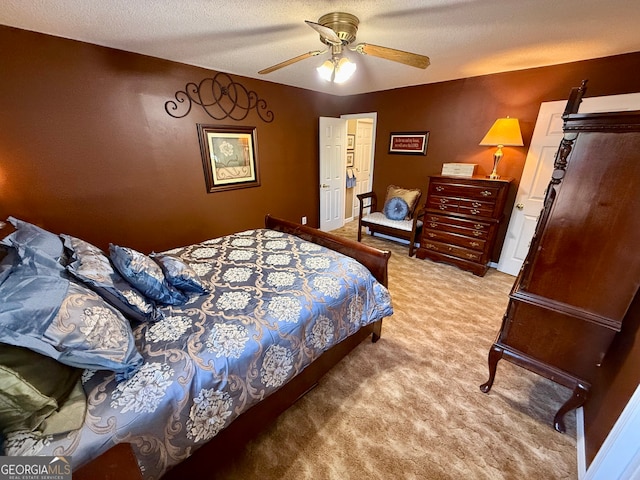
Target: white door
364,153
333,149
538,168
362,161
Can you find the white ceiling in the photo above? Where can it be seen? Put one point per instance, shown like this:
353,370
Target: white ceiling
463,38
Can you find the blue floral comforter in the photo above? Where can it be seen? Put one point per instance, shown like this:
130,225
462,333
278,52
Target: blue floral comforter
275,303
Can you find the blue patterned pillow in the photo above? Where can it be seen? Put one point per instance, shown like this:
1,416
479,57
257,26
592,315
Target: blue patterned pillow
66,321
145,275
47,246
179,274
90,265
396,209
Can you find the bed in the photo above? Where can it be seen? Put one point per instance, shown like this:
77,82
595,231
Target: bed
231,334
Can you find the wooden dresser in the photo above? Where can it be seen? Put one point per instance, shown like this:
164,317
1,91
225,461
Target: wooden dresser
461,220
583,268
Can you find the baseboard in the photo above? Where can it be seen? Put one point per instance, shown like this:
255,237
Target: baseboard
580,444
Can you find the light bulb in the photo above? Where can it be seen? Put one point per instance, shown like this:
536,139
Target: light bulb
326,70
344,70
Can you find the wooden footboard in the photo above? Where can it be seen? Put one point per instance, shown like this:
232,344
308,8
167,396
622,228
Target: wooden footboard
224,446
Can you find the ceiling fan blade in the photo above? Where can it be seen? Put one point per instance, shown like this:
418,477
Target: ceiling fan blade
291,61
408,58
325,32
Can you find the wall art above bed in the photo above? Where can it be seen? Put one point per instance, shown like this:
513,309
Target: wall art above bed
229,157
220,97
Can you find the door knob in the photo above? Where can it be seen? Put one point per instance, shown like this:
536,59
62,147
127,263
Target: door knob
520,206
324,186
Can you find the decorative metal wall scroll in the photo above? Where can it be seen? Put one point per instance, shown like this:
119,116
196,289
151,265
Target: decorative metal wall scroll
221,98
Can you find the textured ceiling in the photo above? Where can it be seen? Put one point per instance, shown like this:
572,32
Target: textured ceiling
463,38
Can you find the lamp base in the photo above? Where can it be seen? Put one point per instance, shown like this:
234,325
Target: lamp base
493,176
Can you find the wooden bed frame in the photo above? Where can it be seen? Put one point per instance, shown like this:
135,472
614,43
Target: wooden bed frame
119,461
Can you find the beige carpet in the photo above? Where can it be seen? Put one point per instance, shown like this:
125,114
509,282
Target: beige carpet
409,406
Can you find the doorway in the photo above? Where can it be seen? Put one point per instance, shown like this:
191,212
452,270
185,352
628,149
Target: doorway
340,205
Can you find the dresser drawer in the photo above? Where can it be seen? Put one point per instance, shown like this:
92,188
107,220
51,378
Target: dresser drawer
453,239
452,189
461,205
453,250
468,208
446,204
479,225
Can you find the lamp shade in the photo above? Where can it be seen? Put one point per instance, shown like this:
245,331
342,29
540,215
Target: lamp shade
336,71
326,70
505,132
344,70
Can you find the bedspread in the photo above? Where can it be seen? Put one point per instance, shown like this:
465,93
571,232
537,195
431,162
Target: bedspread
274,304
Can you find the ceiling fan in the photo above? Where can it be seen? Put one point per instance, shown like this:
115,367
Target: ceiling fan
338,30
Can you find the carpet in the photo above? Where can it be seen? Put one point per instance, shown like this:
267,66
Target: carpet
410,407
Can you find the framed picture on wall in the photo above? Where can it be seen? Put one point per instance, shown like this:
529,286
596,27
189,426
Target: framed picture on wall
229,157
351,141
350,159
408,143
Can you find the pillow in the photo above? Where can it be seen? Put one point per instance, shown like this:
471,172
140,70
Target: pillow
90,265
396,209
7,262
179,274
145,275
39,393
412,197
46,245
66,321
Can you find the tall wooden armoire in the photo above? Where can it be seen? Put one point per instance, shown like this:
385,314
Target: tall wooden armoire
583,266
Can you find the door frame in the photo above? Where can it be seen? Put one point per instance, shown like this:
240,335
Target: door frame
373,116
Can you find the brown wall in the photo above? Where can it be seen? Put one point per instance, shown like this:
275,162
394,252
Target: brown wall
459,113
87,148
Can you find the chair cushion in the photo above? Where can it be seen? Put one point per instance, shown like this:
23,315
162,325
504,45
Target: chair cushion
396,209
411,196
379,219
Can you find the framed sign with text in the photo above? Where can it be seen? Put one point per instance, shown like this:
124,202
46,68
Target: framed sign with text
408,143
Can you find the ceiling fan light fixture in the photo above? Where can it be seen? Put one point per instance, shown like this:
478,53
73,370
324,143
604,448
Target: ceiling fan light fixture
336,71
326,70
344,70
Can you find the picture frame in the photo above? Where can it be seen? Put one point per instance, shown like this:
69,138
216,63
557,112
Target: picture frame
408,143
351,141
350,158
229,157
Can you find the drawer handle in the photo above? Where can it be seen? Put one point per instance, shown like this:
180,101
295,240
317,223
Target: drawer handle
432,235
475,211
485,193
471,255
433,224
474,244
476,204
444,200
431,246
479,226
443,207
477,233
439,188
